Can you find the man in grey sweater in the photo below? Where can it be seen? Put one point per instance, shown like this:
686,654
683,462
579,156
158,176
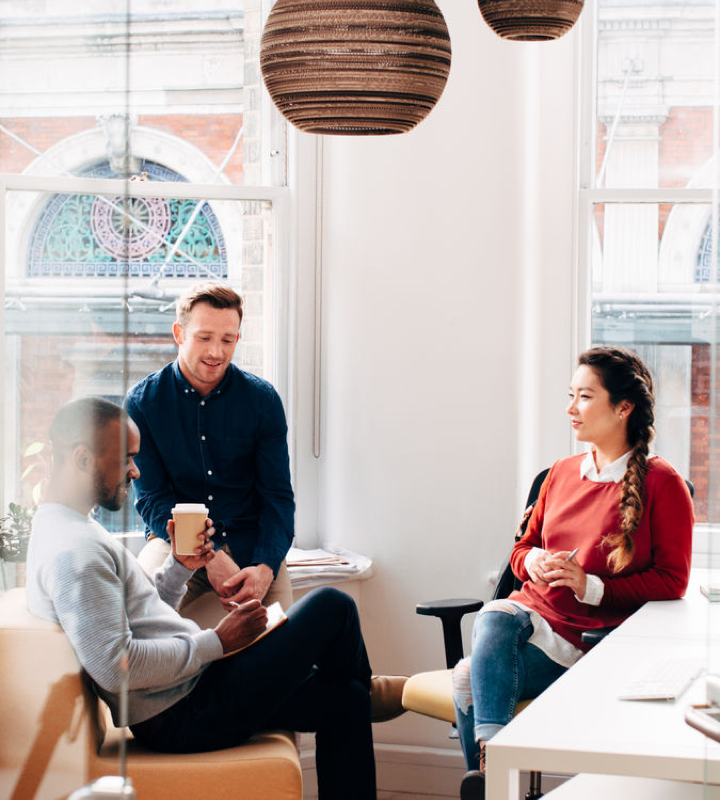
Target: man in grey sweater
310,674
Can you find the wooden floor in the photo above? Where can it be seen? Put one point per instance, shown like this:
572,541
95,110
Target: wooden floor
428,774
549,782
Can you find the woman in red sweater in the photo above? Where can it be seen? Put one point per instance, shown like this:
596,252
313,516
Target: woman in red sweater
611,530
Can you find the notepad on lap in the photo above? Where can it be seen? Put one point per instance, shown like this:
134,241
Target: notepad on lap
276,616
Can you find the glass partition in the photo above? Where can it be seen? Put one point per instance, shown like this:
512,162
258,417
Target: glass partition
138,154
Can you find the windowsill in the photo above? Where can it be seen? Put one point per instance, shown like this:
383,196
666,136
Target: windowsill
306,567
133,540
356,568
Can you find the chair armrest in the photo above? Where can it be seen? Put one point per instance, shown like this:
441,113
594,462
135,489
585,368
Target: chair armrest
596,635
450,612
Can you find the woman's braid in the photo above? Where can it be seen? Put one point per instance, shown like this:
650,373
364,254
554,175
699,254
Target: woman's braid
625,377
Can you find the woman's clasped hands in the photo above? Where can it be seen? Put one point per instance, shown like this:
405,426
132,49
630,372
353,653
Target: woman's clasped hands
557,570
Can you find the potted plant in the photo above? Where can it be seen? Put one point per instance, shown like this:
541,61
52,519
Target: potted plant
16,525
15,532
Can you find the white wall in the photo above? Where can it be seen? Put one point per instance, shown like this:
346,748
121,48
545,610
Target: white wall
447,331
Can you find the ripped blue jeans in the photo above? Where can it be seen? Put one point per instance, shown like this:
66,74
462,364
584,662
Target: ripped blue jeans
502,670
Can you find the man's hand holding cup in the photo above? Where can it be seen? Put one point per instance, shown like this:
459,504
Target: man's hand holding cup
190,533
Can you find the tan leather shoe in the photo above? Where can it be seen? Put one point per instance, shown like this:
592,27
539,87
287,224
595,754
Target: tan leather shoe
386,696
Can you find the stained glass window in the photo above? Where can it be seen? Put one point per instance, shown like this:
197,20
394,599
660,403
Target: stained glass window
116,237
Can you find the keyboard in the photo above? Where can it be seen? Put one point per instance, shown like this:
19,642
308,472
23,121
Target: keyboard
665,679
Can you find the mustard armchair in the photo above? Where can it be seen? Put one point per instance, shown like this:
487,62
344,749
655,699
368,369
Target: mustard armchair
55,736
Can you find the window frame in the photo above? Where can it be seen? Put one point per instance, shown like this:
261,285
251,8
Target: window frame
588,196
282,273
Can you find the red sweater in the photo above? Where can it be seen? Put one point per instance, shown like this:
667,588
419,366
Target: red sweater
576,512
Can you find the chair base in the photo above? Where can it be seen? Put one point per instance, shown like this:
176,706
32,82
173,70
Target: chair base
473,786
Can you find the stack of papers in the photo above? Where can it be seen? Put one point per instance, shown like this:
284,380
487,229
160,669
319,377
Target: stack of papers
711,591
315,567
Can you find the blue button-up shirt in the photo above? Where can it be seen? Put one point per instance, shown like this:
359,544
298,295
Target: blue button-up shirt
227,449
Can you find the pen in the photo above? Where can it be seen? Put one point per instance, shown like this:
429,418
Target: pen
573,554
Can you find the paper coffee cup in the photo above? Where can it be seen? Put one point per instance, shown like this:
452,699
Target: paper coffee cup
189,521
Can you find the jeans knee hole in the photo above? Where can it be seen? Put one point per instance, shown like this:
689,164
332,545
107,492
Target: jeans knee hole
504,606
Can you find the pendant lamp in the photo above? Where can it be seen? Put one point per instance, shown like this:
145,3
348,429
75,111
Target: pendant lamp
355,66
530,20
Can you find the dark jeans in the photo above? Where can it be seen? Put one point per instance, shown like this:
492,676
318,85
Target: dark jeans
310,674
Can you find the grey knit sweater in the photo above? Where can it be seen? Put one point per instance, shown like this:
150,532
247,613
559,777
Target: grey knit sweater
79,576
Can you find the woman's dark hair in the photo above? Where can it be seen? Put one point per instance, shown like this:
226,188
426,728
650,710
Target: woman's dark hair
625,377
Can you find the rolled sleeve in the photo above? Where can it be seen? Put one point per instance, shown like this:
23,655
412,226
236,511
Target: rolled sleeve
171,580
594,590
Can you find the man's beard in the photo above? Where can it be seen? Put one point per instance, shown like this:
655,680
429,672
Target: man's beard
112,500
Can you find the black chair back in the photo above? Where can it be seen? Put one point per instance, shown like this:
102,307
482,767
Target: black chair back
507,582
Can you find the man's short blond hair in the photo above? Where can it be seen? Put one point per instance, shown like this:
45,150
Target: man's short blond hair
216,295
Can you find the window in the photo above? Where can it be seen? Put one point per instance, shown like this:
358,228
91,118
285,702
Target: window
649,211
146,157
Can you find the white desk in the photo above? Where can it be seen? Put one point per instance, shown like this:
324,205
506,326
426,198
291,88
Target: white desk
602,787
579,725
692,618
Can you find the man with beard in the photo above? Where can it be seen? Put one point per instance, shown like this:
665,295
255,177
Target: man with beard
310,674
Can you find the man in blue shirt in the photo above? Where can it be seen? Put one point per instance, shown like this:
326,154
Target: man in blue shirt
214,434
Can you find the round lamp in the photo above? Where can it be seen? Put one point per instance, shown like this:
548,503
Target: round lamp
355,66
530,20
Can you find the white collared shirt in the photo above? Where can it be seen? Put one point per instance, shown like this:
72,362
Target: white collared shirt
612,473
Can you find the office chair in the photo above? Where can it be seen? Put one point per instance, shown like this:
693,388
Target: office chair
430,693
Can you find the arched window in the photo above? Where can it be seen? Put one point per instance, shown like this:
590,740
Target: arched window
101,237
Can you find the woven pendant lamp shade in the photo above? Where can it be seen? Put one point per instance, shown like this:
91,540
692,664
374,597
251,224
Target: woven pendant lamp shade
531,20
355,66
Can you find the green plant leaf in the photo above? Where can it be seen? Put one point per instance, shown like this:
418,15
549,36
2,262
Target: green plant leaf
34,448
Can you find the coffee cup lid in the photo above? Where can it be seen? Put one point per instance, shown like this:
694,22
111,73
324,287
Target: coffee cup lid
189,508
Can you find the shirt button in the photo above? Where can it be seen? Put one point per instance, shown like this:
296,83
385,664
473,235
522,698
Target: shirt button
202,402
203,438
210,497
224,534
186,391
209,472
